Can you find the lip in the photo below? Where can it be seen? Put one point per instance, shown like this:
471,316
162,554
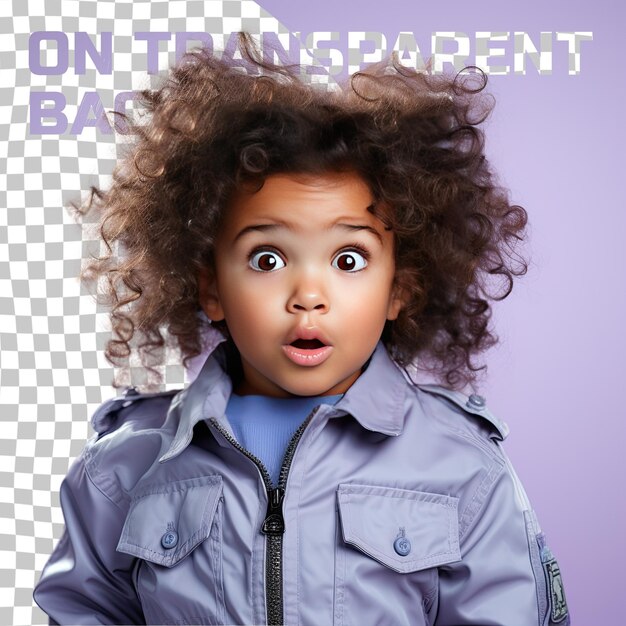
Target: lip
308,333
303,356
308,358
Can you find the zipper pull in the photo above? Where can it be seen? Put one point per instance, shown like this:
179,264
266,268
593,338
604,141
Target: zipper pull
274,523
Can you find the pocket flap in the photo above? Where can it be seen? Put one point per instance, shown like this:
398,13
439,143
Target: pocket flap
405,530
167,521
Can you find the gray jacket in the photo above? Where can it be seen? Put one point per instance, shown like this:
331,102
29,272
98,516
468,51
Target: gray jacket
396,506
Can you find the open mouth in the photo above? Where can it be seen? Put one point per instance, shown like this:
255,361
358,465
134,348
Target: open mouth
307,344
307,352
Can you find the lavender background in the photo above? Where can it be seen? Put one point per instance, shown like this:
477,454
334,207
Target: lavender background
557,377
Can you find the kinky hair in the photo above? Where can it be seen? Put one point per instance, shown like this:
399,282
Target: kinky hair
217,124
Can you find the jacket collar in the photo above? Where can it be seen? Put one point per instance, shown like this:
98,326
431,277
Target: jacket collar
376,399
206,397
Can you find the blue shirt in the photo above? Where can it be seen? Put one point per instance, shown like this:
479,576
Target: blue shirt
264,425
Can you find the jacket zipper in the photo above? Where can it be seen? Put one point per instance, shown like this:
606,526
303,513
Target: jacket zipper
273,526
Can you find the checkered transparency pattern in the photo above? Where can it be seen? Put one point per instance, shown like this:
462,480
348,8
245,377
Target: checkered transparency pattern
53,373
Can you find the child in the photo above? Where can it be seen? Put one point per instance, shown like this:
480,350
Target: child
333,239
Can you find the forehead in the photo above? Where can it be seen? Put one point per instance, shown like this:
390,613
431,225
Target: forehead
303,203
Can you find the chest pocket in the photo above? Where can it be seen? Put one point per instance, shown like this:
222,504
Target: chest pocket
389,545
175,530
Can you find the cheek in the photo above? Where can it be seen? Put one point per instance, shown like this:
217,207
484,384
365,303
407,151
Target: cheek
372,294
250,306
364,306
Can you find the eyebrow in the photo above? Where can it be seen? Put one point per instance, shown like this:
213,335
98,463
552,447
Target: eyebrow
352,227
258,228
278,225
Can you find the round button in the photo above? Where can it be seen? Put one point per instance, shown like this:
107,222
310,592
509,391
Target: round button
476,402
402,546
169,539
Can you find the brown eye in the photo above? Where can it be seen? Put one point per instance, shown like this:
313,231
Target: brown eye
351,261
266,261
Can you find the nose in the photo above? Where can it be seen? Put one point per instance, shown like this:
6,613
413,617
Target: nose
308,295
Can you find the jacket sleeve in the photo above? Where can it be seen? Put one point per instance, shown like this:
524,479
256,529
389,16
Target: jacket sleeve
85,580
507,575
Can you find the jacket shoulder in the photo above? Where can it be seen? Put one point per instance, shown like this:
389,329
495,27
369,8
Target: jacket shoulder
130,432
111,414
474,407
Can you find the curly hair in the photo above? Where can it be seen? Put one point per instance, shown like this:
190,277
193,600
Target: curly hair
414,138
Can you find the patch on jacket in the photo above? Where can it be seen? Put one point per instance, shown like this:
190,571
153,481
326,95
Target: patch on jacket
554,582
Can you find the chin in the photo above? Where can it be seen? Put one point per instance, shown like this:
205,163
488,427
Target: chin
311,389
304,391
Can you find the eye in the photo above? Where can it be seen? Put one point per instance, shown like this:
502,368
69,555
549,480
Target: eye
266,261
350,261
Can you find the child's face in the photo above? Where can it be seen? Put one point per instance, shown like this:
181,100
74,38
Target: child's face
304,278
